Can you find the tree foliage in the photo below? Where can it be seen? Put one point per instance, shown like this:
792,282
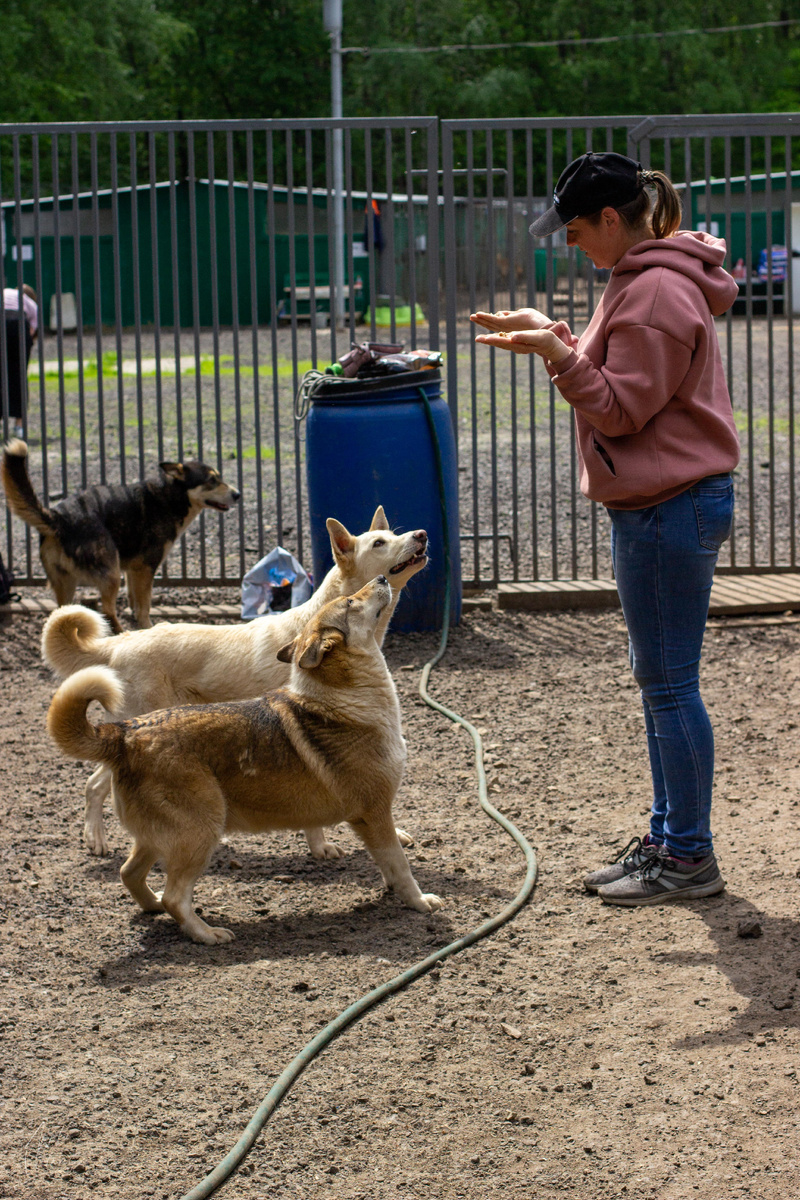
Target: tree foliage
125,59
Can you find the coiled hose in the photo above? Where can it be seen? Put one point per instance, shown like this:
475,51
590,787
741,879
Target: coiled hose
283,1083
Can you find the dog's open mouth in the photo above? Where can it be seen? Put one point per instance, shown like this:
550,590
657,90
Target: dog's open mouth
216,504
409,562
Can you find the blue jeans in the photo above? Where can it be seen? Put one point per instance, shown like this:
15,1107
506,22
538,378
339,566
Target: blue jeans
664,558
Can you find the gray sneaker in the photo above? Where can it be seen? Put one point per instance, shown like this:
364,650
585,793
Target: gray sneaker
664,878
629,859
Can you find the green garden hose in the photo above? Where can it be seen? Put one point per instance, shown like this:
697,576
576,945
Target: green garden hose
283,1083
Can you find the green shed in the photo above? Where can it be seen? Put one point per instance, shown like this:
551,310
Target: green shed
196,246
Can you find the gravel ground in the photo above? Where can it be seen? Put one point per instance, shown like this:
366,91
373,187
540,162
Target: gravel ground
581,1051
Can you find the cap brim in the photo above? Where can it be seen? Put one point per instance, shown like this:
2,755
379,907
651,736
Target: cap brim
548,223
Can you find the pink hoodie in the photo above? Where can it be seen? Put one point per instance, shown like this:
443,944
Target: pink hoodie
652,409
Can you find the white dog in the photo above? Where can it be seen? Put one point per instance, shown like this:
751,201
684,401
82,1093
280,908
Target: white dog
176,664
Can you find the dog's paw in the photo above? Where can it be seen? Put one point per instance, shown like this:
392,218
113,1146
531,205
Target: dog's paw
96,840
210,935
405,839
319,846
431,903
328,850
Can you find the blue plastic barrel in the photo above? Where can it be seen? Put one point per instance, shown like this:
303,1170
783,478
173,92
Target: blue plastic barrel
368,442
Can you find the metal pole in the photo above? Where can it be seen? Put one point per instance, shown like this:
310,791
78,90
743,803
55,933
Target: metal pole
332,20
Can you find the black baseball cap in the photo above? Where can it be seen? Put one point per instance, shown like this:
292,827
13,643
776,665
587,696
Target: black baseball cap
588,184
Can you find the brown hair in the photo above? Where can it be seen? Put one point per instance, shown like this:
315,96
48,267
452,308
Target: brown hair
663,215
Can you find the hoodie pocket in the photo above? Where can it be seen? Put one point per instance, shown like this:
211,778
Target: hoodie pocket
606,457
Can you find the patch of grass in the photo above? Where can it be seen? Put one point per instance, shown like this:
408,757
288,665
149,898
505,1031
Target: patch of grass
267,453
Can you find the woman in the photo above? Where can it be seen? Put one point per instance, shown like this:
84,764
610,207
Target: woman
657,444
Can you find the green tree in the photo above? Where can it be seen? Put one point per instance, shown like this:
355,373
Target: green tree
82,61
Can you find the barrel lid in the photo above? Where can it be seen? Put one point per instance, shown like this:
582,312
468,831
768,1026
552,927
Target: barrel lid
383,385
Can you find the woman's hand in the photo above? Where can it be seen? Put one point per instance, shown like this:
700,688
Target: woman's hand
506,321
535,341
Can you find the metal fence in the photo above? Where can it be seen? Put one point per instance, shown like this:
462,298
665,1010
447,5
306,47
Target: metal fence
185,274
187,277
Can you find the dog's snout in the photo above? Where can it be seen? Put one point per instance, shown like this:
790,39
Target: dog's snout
421,535
234,494
382,580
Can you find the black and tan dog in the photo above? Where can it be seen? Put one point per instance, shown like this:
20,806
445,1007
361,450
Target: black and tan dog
90,537
328,748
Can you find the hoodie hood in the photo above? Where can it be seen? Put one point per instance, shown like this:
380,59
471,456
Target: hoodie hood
697,255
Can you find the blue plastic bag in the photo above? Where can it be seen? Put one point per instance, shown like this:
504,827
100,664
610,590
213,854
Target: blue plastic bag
274,584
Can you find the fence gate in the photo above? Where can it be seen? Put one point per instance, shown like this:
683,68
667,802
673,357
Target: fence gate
185,275
522,514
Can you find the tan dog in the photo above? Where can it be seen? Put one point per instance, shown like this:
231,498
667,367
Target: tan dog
326,749
88,538
198,664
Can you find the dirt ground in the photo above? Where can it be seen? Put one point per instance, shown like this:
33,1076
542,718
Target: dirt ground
582,1051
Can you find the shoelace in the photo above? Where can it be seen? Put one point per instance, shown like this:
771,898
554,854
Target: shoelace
637,844
653,867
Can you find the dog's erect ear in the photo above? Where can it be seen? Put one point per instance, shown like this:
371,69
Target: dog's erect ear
320,644
379,520
342,541
174,470
285,653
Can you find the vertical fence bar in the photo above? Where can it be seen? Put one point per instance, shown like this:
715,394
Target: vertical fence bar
333,283
237,380
296,448
470,239
176,320
552,389
491,250
748,258
4,335
511,251
729,314
450,280
37,255
194,266
76,258
390,238
369,231
770,348
98,304
312,249
59,312
274,333
532,358
215,326
137,300
118,307
433,235
349,272
156,282
412,272
254,319
789,305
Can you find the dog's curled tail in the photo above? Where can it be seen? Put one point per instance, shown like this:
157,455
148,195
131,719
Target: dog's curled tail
75,637
68,725
20,496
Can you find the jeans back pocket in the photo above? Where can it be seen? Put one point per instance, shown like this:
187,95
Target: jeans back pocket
713,505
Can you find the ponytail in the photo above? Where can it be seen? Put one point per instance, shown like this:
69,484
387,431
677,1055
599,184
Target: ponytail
665,217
